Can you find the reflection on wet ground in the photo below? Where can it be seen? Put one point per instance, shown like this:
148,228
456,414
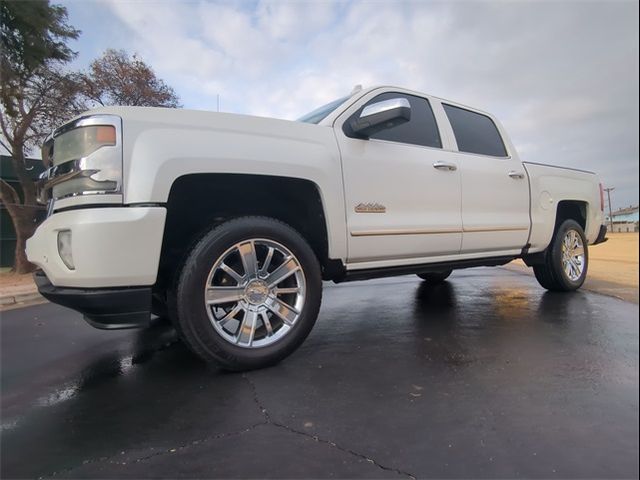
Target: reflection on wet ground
485,375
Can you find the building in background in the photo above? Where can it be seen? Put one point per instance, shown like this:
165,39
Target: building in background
625,220
7,233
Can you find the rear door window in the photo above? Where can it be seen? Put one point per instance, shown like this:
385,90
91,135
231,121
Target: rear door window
475,133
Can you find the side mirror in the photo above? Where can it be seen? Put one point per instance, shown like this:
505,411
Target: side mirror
381,116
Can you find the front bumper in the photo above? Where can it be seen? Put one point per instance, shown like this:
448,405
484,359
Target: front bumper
106,308
111,246
602,235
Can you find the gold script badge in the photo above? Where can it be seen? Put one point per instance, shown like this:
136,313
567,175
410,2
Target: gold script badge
370,208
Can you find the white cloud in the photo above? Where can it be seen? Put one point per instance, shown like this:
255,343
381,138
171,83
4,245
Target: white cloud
293,21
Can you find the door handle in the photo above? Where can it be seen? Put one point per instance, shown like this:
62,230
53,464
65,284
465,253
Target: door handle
516,175
445,166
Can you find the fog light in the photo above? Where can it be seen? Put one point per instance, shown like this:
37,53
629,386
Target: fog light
64,248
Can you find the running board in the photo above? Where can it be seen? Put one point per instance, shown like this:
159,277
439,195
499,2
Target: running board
369,273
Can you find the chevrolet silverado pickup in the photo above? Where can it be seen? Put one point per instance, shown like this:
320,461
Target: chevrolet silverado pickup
227,224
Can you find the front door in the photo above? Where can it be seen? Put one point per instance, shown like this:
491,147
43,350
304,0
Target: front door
402,190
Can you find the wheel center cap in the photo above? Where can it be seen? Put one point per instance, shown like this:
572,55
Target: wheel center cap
256,292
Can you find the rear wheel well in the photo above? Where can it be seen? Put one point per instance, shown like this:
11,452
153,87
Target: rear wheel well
571,210
199,202
567,210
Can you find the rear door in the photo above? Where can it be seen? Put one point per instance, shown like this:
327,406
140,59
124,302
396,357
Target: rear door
494,185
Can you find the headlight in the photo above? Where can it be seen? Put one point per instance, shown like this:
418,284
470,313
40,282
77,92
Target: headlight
85,157
82,142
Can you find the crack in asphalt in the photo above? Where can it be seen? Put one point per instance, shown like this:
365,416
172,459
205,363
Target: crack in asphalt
164,451
256,399
344,449
199,442
268,421
315,438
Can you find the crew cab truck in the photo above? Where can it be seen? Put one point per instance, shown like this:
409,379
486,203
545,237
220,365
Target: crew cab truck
227,224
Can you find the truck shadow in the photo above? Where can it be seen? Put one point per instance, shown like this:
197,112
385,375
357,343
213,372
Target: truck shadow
438,298
435,310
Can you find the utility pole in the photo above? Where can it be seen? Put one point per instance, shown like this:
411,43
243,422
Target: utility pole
609,190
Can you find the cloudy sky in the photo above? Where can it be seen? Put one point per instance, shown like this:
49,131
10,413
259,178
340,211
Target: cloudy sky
561,76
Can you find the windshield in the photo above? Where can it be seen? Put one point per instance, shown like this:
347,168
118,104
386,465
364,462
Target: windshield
320,113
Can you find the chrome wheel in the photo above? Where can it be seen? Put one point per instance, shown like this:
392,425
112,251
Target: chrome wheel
255,293
573,259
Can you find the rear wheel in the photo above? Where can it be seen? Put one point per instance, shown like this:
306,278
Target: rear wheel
435,277
566,259
249,293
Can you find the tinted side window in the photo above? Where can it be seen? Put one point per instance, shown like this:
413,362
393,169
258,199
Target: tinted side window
420,130
475,133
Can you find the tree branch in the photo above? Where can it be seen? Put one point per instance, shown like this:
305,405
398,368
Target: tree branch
3,126
5,146
8,195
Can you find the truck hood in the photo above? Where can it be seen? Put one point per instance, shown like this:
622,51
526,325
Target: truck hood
156,117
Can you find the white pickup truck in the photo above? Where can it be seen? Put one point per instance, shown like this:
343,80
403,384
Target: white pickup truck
227,224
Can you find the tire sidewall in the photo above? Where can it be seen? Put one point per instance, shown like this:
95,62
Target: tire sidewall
556,256
435,277
193,317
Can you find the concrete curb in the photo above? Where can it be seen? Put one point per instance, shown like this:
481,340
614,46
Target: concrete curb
19,298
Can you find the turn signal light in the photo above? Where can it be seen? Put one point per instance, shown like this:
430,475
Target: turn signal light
106,135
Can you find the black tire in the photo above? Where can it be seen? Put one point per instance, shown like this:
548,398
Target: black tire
172,308
435,277
551,274
196,328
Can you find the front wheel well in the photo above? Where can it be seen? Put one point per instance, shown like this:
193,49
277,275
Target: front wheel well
199,202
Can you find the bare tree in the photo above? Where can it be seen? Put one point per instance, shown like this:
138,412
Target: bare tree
118,79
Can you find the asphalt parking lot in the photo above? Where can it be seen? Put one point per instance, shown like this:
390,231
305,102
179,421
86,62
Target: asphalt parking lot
485,376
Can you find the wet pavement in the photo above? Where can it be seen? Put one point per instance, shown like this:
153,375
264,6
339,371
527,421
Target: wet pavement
487,375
